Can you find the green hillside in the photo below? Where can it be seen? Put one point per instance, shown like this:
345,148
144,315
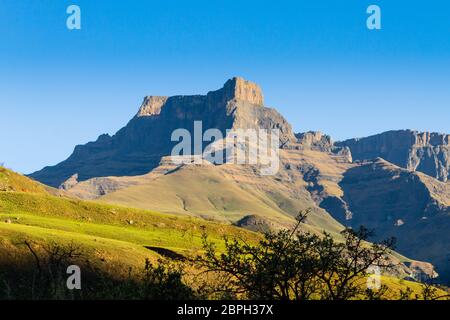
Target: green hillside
45,217
11,181
108,234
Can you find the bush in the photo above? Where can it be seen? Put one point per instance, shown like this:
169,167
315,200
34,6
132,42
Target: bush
297,265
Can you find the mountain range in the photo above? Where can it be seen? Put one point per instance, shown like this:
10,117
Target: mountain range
397,182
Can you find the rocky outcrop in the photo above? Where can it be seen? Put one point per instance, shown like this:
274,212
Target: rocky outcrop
138,148
151,106
315,140
259,224
392,201
240,89
395,194
421,271
417,151
69,183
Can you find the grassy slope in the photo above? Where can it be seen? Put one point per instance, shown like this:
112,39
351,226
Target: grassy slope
147,228
135,226
205,192
106,232
11,181
225,193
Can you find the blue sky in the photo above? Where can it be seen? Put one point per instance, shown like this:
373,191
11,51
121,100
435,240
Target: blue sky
316,61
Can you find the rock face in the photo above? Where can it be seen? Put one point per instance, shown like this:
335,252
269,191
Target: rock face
417,151
422,271
240,89
411,206
69,183
315,140
151,106
396,194
138,148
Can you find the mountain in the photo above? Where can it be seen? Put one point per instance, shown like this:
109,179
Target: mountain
138,147
417,151
375,181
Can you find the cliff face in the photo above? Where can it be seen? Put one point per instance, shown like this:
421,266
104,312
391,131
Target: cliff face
425,152
151,106
138,147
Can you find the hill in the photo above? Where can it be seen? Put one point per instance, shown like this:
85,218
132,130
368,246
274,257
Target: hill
114,238
11,181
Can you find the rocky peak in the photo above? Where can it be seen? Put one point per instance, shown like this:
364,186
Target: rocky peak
138,147
69,183
239,89
151,106
235,89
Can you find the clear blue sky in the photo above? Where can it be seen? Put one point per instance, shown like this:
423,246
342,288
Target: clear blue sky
316,61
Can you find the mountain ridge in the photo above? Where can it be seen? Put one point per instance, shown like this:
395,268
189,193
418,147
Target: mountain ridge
401,170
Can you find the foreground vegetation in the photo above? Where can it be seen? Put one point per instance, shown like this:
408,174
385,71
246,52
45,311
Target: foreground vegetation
286,265
298,265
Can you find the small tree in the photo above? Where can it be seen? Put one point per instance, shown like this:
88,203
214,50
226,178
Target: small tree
297,265
342,267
